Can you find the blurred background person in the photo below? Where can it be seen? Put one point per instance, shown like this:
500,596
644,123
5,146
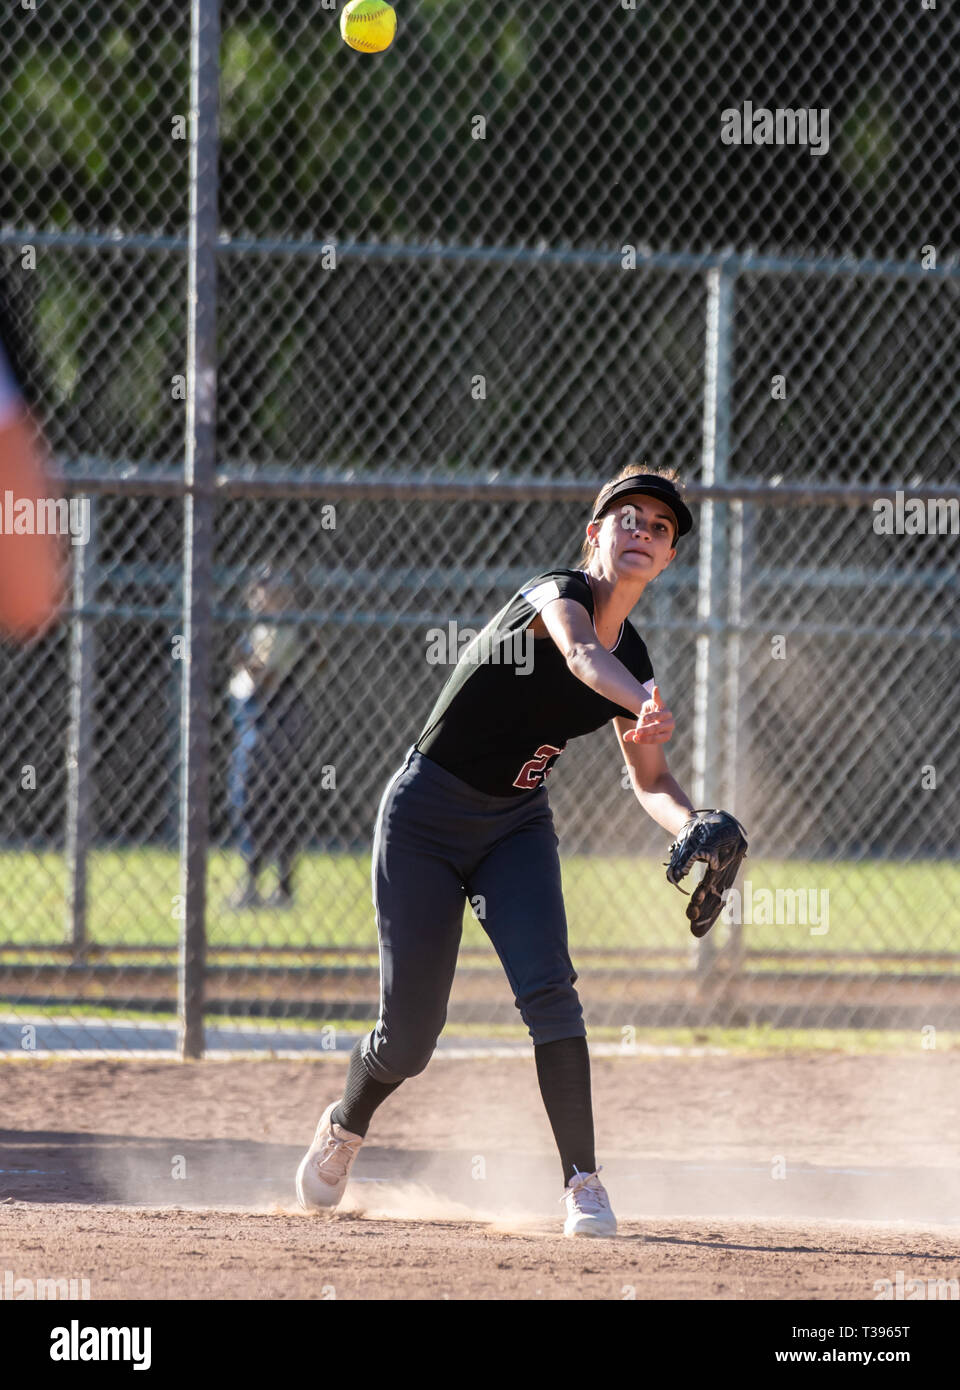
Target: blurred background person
272,723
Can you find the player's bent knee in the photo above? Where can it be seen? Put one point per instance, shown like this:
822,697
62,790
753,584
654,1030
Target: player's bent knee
394,1062
553,1012
418,1063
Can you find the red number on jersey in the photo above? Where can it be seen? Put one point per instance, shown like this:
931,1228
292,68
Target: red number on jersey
535,769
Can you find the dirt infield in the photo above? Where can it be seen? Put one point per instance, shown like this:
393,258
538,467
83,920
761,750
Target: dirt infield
789,1177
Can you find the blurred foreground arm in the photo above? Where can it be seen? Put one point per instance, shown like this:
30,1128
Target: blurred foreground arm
29,564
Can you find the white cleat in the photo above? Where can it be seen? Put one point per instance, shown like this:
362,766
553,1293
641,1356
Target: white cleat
325,1167
588,1207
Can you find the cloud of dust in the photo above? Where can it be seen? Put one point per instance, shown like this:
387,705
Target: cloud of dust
804,1136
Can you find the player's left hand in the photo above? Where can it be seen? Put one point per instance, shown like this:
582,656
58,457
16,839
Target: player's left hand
655,723
719,840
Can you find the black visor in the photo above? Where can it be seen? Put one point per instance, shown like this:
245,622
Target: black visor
658,487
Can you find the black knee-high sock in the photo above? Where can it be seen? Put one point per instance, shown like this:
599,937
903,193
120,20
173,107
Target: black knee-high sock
361,1096
563,1070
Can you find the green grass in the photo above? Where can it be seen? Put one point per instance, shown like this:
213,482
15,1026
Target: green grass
756,1040
615,903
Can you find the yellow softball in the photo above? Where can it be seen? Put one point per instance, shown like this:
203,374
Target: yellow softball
368,25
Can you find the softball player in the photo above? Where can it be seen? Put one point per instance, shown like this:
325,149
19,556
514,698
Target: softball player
467,815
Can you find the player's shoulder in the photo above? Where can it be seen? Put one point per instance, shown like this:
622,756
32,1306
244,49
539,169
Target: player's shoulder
556,583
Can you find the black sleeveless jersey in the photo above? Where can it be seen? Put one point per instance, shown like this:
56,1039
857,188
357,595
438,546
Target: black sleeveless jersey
511,703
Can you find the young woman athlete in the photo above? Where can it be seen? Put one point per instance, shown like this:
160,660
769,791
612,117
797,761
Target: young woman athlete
467,815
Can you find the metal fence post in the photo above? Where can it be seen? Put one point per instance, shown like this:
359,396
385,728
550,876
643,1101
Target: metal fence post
80,737
198,519
709,684
740,518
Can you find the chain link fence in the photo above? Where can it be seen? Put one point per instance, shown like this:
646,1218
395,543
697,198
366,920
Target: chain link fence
457,286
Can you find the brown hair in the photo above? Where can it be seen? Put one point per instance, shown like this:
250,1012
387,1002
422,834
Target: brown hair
669,475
